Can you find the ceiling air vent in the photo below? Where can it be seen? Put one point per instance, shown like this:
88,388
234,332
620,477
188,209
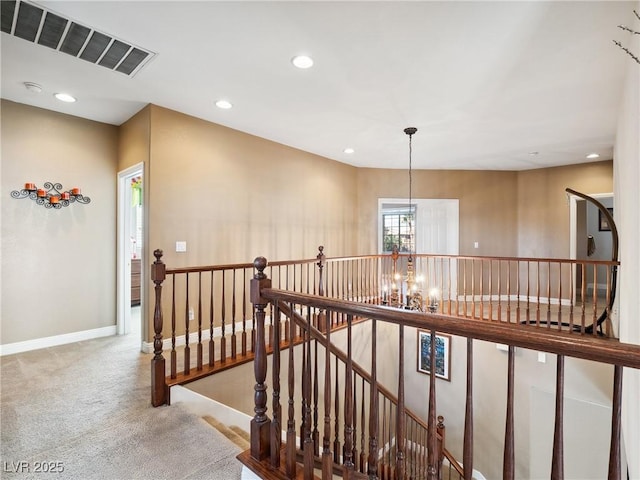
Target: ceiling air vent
40,25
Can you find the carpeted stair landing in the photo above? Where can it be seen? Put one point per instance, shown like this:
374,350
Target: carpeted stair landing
86,407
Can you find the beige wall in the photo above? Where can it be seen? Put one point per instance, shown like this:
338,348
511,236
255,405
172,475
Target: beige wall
58,266
233,196
543,209
487,208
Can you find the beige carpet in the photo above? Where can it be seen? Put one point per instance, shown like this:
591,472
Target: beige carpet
85,409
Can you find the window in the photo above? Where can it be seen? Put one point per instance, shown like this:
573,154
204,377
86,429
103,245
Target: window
398,228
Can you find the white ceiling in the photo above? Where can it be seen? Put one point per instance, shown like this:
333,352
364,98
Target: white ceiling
485,83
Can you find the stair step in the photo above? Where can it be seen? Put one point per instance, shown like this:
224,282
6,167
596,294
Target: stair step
233,433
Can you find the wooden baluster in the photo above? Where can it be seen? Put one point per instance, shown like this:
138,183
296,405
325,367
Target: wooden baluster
336,440
594,323
583,298
538,294
260,424
327,460
363,455
549,295
608,302
244,312
308,450
199,347
442,433
158,382
560,296
499,291
354,452
518,291
432,469
174,353
291,422
557,460
390,459
464,287
448,260
233,318
348,407
616,419
303,383
223,312
508,466
527,310
481,314
383,464
187,348
467,455
509,291
316,433
276,422
374,413
212,348
571,294
400,433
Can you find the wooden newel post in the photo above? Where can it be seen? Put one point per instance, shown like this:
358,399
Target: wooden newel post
158,384
322,316
260,424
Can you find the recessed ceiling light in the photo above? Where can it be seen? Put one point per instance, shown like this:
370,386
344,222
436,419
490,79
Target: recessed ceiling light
302,61
533,154
593,155
224,104
33,87
65,97
348,150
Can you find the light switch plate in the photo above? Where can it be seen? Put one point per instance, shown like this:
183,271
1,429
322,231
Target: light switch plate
181,246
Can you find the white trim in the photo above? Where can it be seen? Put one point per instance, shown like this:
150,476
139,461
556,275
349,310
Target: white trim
38,343
514,298
123,269
147,347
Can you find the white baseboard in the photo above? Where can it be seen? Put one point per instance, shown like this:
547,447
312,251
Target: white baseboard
147,347
514,298
38,343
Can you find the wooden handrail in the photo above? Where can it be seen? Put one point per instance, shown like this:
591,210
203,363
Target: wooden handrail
603,350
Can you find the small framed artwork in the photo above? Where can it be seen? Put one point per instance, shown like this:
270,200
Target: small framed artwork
603,224
443,354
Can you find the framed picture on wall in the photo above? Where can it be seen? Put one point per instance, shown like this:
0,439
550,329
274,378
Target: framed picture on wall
603,224
443,354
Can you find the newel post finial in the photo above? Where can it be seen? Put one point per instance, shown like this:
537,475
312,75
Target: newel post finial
260,424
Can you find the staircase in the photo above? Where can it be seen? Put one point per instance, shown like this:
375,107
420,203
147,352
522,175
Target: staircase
331,413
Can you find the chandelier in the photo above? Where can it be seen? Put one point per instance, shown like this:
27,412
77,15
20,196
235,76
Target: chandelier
413,299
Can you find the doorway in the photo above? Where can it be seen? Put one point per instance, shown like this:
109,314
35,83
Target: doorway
130,252
588,240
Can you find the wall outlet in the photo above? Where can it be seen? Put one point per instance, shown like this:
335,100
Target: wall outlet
542,357
192,314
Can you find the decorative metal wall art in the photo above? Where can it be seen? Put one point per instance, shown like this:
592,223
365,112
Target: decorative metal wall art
51,196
